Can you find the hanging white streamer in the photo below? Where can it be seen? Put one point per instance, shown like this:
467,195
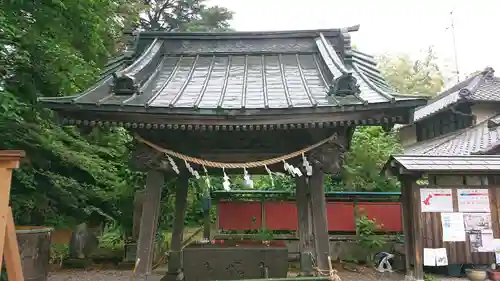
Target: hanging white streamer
247,178
226,184
270,175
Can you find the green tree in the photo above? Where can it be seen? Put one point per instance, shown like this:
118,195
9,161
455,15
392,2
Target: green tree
184,15
52,48
370,148
410,76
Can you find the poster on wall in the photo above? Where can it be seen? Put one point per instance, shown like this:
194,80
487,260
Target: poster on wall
453,227
435,257
487,241
441,257
429,257
473,200
436,200
477,221
476,242
496,245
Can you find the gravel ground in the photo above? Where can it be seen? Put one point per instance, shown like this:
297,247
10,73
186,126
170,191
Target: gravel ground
124,275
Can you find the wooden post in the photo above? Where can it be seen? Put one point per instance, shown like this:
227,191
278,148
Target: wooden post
320,223
149,221
136,220
406,220
303,202
8,241
175,257
417,232
207,205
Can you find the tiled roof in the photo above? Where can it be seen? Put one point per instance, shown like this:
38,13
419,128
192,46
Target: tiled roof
242,70
480,87
487,163
478,139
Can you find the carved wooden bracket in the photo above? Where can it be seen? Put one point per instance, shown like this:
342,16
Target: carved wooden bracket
329,157
145,158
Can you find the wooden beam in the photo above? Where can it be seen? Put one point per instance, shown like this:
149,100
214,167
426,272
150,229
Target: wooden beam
418,269
320,223
207,205
136,219
406,220
175,256
149,221
8,241
306,243
11,252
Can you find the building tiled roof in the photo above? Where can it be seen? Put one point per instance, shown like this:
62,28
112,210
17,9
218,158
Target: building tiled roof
422,163
241,70
480,87
478,139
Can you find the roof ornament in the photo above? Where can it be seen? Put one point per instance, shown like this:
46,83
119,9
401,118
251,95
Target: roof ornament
124,84
493,123
489,73
131,43
344,85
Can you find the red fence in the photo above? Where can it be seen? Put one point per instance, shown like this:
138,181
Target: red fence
282,215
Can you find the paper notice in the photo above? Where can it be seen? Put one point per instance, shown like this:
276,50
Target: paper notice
487,240
441,256
496,243
476,240
436,200
429,257
473,200
453,227
477,221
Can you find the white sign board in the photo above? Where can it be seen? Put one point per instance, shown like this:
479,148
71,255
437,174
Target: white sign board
436,200
473,200
453,227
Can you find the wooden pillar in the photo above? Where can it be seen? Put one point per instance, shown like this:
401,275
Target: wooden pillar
8,241
207,205
406,220
175,257
320,223
136,220
306,245
149,221
418,270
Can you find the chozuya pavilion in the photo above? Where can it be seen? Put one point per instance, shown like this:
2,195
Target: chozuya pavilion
239,102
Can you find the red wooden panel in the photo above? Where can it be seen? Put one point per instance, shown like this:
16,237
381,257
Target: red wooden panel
239,215
281,216
388,214
340,216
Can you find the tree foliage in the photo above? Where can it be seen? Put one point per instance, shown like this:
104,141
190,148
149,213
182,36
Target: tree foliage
184,15
50,48
409,76
56,48
370,148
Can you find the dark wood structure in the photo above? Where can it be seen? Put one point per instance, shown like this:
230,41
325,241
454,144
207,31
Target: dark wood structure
238,97
424,230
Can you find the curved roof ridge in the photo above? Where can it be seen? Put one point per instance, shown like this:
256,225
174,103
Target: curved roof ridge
462,90
249,34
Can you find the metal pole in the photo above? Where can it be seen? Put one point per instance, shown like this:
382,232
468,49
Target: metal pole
454,45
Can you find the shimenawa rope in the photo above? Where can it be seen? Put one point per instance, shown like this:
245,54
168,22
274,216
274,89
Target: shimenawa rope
222,165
